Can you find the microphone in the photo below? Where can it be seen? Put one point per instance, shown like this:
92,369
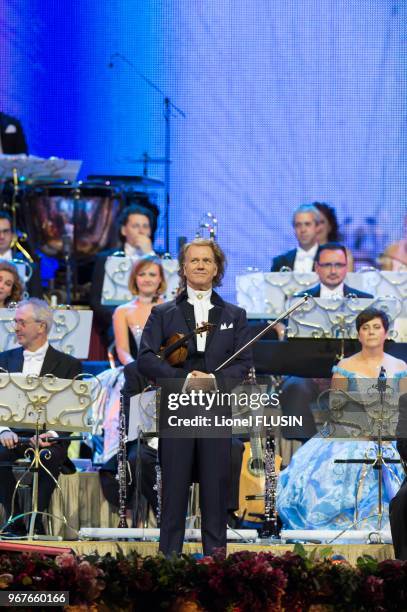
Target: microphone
382,381
66,244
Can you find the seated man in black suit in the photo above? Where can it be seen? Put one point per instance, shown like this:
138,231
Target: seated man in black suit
298,394
331,265
398,505
33,287
137,225
33,321
12,139
301,259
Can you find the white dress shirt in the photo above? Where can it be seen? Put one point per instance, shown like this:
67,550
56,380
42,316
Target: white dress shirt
304,260
8,255
131,251
326,292
201,301
33,360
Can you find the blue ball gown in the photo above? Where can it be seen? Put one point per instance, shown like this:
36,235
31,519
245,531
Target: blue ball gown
314,492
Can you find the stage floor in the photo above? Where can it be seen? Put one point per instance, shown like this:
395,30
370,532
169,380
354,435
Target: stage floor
349,551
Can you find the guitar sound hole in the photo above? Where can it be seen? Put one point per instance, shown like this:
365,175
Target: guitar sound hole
256,466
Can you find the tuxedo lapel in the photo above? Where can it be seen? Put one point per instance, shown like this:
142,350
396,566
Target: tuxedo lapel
16,361
214,319
51,361
189,315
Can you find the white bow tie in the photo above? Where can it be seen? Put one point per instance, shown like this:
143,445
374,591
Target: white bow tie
304,255
28,356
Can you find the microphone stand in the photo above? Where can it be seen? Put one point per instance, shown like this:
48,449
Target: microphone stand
380,460
168,108
67,250
381,388
16,244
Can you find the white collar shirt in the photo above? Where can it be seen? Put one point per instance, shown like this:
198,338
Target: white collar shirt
131,251
326,292
33,360
201,301
304,260
7,255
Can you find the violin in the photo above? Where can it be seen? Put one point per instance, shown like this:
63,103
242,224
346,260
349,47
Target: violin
175,351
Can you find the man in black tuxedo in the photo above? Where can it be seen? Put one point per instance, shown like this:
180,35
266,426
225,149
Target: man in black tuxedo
147,457
12,139
33,321
137,226
201,266
33,286
298,394
302,258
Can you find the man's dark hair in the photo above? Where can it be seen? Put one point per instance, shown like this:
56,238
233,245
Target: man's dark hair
330,246
372,313
5,215
134,209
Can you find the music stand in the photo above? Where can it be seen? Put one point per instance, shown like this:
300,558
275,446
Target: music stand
365,416
44,403
12,167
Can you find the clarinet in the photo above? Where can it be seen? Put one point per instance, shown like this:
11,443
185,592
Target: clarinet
271,526
122,465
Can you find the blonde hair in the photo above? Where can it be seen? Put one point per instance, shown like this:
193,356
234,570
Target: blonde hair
220,259
139,266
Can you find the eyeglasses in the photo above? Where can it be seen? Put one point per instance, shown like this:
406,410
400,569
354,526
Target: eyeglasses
23,324
335,265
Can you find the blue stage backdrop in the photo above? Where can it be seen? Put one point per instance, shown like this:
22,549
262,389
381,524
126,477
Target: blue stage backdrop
286,102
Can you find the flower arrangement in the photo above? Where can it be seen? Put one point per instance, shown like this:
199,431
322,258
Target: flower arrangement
242,582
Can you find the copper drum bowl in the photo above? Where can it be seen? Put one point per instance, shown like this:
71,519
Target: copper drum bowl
80,214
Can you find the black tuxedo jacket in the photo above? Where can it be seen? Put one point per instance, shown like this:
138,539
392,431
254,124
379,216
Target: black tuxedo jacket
229,334
14,142
103,314
57,363
316,291
284,260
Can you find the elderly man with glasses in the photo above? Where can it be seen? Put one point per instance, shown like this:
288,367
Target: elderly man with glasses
35,357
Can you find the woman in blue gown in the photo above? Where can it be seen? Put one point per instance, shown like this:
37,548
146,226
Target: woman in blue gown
314,492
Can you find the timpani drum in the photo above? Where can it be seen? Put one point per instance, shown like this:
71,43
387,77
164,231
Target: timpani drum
82,213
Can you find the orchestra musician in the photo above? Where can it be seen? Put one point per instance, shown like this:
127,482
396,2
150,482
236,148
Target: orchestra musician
35,356
12,138
302,258
34,287
136,225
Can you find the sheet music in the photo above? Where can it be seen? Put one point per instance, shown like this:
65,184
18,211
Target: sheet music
31,166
